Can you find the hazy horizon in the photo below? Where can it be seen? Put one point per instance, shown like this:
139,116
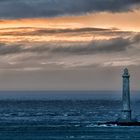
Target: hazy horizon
66,95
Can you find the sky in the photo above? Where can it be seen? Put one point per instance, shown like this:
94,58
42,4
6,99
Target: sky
69,44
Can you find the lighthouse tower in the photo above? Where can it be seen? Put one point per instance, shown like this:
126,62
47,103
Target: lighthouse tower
125,119
126,112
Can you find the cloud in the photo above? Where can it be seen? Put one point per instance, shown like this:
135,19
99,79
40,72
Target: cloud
52,8
112,45
44,31
48,55
99,46
9,49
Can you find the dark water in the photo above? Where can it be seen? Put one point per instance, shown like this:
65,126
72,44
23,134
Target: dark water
73,116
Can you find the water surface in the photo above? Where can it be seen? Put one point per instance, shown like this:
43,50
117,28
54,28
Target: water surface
72,115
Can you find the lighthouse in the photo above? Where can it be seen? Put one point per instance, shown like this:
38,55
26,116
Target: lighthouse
126,118
126,111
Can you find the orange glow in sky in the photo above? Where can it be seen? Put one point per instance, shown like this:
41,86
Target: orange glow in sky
128,21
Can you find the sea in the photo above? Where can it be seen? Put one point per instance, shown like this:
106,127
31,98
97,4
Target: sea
65,115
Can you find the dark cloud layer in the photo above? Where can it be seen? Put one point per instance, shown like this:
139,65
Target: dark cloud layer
45,31
51,8
102,46
97,46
